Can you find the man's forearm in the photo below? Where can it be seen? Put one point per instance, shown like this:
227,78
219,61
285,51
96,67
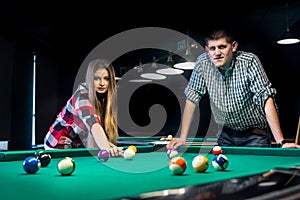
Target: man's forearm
273,120
188,115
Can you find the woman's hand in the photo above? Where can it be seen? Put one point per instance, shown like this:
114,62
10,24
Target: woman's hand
115,151
175,143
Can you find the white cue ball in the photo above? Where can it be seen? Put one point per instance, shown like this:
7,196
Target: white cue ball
129,154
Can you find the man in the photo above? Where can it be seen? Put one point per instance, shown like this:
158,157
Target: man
241,96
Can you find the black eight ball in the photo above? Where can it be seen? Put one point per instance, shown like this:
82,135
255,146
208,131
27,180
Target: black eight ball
45,159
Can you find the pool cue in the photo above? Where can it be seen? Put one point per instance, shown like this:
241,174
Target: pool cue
297,134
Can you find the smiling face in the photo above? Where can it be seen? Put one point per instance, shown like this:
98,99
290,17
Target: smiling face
221,52
101,80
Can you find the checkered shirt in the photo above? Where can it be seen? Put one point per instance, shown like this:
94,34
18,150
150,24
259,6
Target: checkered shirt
237,98
74,122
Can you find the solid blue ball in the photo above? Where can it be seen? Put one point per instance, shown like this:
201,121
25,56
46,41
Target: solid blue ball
31,164
220,162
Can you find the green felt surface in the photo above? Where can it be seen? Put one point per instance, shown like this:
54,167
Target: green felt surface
119,178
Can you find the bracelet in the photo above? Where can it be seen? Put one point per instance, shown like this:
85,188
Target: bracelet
282,142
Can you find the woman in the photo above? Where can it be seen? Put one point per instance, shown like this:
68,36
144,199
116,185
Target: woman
89,117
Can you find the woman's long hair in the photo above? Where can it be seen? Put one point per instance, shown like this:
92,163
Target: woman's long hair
107,111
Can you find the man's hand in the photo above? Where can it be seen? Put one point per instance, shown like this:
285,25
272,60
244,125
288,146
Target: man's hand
290,145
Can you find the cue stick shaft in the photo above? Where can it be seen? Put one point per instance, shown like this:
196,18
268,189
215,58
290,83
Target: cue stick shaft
297,134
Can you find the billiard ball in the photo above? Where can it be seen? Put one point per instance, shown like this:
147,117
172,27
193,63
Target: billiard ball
172,152
200,163
220,162
38,152
129,154
31,164
133,148
217,150
45,159
170,137
178,165
103,155
66,166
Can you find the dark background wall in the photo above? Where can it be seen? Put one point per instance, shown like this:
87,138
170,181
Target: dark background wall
63,34
6,57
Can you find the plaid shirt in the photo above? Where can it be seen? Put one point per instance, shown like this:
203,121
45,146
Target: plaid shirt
74,122
237,98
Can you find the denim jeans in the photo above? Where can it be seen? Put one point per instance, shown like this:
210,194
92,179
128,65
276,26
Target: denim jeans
248,138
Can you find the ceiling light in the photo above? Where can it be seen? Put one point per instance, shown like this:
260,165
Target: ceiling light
153,76
139,81
169,71
185,65
288,37
170,58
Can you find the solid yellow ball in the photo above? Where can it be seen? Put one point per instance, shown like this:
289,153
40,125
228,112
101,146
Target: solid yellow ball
133,148
200,163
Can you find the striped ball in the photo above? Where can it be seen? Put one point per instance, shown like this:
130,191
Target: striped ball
200,163
177,165
220,162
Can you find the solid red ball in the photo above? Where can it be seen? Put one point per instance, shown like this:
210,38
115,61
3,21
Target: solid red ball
217,150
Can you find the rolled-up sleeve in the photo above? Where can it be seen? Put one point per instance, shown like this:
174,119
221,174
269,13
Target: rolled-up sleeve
260,85
195,88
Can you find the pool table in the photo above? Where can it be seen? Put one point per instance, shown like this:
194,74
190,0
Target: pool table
251,172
